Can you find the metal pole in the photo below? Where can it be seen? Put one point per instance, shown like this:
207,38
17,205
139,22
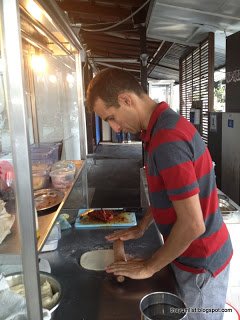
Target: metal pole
143,57
81,106
16,104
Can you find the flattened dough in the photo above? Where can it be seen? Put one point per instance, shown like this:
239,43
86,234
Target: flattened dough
97,260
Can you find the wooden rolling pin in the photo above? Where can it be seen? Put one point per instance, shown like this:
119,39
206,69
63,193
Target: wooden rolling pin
119,255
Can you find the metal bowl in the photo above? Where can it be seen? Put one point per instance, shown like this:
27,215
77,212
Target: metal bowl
226,208
223,197
17,278
47,198
162,305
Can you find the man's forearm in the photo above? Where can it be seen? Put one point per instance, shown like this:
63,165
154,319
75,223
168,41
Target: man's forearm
177,242
188,227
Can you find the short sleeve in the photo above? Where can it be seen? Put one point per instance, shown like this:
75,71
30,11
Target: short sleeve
174,161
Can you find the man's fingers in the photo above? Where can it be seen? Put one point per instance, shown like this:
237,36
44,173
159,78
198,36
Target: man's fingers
132,269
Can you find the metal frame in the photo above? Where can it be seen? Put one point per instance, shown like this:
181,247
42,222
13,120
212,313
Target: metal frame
60,21
16,104
31,88
81,108
25,15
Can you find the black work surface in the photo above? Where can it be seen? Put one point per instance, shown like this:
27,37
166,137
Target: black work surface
95,295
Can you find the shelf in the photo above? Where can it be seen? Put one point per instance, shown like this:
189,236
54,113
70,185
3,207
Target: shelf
10,249
46,222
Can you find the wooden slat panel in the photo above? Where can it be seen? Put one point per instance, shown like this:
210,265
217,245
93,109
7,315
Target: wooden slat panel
196,74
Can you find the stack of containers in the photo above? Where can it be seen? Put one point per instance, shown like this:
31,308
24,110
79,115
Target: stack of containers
43,155
47,153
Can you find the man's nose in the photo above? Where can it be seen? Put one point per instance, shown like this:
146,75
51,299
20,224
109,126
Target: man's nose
116,127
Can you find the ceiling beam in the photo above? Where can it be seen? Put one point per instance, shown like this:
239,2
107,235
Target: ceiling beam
114,53
121,60
123,36
126,27
165,66
113,66
164,47
101,37
150,12
109,46
95,42
125,3
99,12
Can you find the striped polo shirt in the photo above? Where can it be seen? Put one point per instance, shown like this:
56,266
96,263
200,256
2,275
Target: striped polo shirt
178,166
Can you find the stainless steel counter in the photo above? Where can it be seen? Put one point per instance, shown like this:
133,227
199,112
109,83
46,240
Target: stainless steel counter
234,217
95,295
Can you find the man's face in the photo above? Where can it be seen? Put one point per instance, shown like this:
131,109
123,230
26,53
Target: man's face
123,118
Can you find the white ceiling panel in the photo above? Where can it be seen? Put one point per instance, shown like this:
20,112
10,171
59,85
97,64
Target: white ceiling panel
188,22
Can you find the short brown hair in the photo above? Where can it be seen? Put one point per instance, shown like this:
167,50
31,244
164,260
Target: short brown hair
108,84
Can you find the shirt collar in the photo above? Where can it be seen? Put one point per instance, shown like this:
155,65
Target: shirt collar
146,135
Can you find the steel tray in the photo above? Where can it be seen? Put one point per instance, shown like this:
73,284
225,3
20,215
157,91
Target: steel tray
47,198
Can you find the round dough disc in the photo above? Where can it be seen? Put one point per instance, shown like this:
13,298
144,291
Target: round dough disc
97,260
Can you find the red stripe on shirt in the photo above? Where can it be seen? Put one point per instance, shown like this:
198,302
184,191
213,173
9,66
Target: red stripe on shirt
162,136
155,183
160,108
211,244
178,176
164,216
203,165
201,270
189,129
187,268
168,136
209,207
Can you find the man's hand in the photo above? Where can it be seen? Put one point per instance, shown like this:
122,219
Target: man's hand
134,269
127,234
133,232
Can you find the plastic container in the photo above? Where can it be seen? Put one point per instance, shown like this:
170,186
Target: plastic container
63,164
40,176
47,152
62,178
40,166
44,155
52,240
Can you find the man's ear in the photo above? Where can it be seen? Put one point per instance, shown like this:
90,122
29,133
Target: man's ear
124,99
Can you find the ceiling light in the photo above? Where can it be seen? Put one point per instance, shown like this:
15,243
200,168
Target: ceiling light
38,64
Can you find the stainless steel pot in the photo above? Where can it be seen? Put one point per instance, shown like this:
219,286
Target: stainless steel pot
17,278
162,306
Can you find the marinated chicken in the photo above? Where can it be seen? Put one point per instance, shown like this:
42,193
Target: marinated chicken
103,215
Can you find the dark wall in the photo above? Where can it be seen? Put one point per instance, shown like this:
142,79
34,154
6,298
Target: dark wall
215,143
233,73
90,117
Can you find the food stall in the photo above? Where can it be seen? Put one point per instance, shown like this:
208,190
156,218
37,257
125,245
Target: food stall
42,120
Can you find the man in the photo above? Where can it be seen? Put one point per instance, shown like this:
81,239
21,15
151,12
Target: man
182,191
